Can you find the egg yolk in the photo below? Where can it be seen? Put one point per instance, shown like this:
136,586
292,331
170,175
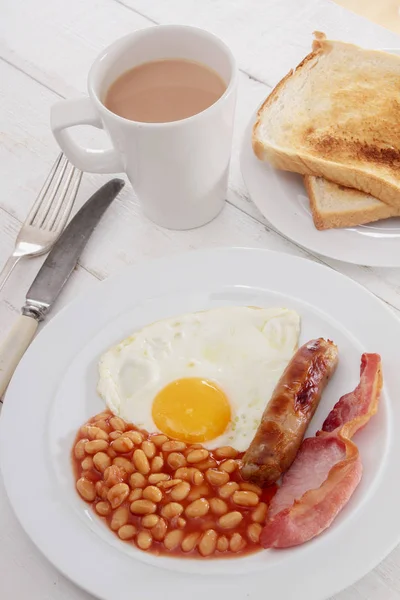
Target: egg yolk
191,410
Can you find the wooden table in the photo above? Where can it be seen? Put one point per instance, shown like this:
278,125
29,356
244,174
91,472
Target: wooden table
46,49
385,12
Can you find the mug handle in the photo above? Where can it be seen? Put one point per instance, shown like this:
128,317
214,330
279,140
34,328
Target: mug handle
69,113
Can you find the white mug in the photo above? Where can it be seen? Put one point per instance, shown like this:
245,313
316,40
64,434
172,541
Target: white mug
179,170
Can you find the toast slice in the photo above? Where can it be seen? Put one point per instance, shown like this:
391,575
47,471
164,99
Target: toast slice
335,206
337,115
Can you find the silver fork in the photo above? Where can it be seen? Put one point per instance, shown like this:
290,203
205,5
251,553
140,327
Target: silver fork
48,215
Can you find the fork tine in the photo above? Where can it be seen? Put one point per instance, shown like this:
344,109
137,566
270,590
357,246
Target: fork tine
51,193
33,212
51,208
65,210
59,198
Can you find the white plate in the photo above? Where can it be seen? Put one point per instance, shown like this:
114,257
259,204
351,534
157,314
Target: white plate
282,199
53,392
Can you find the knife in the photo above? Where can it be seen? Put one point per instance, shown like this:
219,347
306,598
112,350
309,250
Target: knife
52,277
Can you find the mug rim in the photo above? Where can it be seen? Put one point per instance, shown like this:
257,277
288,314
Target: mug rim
130,36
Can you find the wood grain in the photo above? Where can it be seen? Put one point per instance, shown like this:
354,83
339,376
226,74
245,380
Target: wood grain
385,12
45,54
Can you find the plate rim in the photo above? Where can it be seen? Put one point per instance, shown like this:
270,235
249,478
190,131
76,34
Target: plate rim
127,275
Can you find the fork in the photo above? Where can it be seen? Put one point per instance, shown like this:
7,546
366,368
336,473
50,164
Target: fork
48,215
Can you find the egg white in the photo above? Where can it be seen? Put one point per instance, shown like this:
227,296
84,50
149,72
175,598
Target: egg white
244,350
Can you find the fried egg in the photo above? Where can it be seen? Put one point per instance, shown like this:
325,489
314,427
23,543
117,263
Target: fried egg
203,377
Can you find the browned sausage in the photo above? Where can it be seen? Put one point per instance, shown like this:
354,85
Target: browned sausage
288,413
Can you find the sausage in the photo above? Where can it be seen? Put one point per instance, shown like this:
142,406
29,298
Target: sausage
289,411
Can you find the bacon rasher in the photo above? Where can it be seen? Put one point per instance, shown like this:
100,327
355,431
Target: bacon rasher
327,468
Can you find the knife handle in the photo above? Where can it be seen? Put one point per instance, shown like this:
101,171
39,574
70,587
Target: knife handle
14,347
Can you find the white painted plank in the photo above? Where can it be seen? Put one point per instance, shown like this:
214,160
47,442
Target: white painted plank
67,36
56,44
12,297
269,37
29,149
71,36
385,13
40,580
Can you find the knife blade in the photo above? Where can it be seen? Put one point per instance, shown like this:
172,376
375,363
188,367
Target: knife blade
52,277
65,253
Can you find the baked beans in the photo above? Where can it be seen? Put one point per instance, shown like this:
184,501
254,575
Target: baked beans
95,446
230,520
198,491
137,480
117,494
216,477
135,436
198,508
171,510
173,446
245,498
222,543
87,463
157,477
149,449
102,490
226,452
167,496
190,541
103,508
79,450
218,506
103,425
176,460
141,461
159,440
180,491
144,539
120,517
227,490
209,463
208,542
229,465
159,530
190,474
127,532
143,507
122,445
101,461
166,485
236,542
260,513
173,539
157,464
114,475
196,456
86,489
150,521
153,493
253,532
124,463
135,494
117,424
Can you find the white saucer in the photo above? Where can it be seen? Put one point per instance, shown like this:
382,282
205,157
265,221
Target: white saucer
282,199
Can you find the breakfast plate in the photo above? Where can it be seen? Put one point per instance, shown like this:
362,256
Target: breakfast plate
54,392
282,199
